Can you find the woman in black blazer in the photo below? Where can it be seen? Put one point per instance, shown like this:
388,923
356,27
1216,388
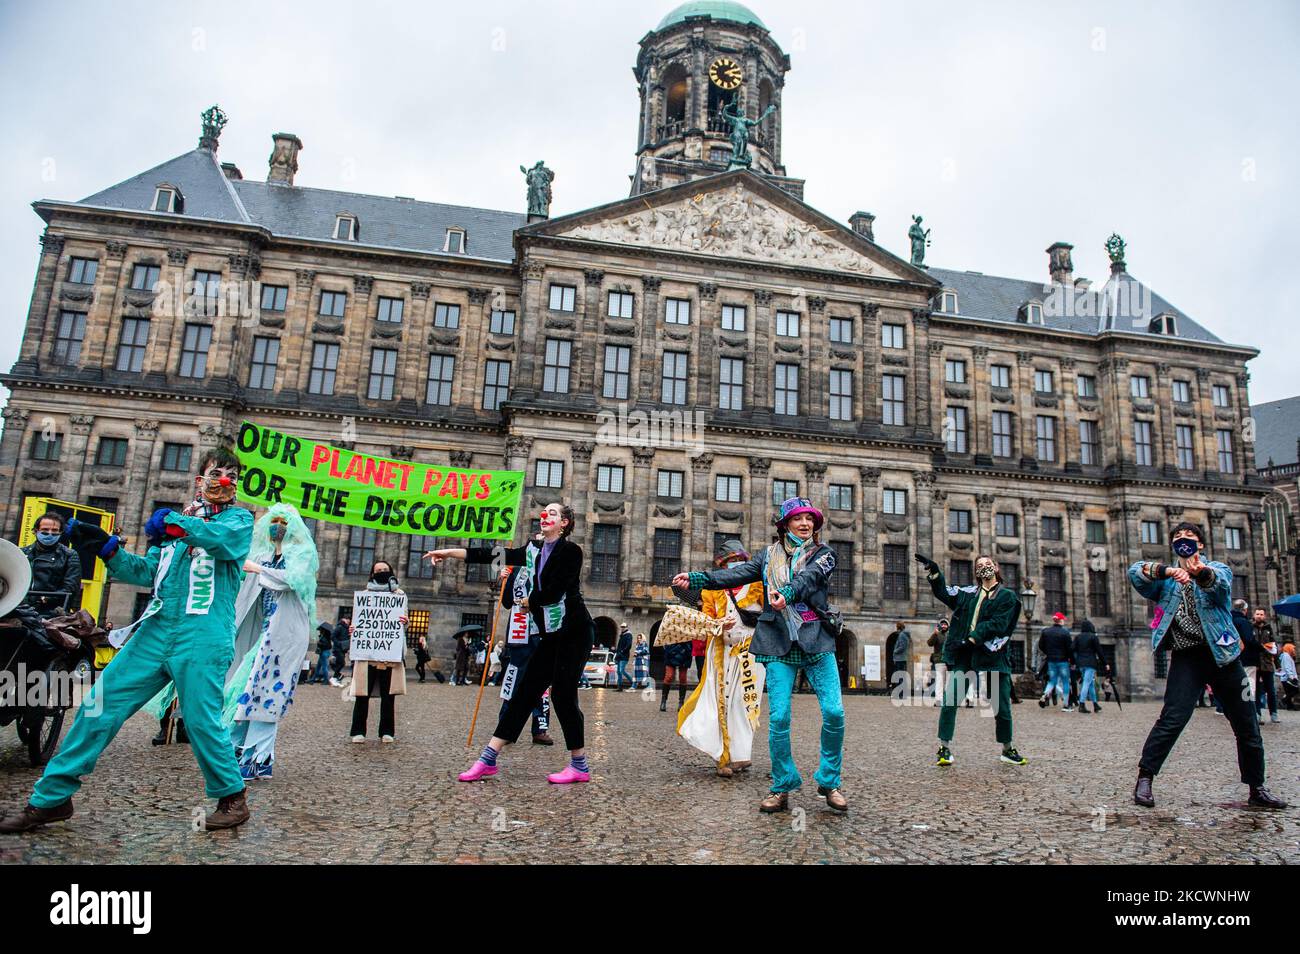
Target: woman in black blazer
548,587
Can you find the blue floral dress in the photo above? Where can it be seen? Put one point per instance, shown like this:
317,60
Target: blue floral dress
269,691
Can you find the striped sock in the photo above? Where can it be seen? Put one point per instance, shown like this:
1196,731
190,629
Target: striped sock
489,756
579,764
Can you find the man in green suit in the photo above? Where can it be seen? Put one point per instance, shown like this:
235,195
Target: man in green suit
983,621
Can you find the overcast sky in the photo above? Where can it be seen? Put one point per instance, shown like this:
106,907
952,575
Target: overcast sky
1007,125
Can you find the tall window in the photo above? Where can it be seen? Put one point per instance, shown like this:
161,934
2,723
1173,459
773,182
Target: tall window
618,372
1182,392
345,228
677,311
1223,444
437,388
1142,442
562,297
787,389
1150,531
446,315
1232,538
1183,442
672,386
1098,593
496,384
1044,382
1085,386
1089,446
961,573
383,374
1219,395
955,424
841,395
954,371
207,292
667,556
333,305
176,457
733,317
620,304
842,330
82,271
1001,433
783,490
390,310
1046,437
417,567
896,579
1095,531
501,322
261,369
194,351
69,336
548,473
895,502
609,479
555,377
787,324
1010,576
726,489
1000,375
361,549
606,545
892,336
1139,386
47,447
959,521
670,483
1006,524
731,384
1051,528
892,398
840,497
1054,589
324,366
454,242
144,277
111,452
131,345
275,297
840,584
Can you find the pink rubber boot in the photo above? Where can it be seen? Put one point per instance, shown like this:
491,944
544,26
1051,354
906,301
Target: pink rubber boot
568,776
478,770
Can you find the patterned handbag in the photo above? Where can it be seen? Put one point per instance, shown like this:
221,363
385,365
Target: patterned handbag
682,624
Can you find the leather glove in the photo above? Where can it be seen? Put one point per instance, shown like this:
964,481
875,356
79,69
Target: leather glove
930,566
155,528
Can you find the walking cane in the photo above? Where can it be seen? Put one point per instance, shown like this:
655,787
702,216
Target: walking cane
487,664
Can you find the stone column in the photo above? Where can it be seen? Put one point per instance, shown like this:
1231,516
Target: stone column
473,334
1259,589
1124,523
142,465
11,456
815,385
1023,388
76,459
647,359
760,493
979,438
760,367
1165,450
869,394
532,306
872,568
815,474
1208,451
1032,569
580,481
1067,437
638,565
167,332
1215,548
985,538
97,351
701,467
518,449
586,349
924,534
706,362
1077,547
922,348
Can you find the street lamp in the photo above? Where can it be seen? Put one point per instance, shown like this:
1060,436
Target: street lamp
1028,599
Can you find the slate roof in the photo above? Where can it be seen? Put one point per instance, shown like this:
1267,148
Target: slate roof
1277,428
993,298
298,212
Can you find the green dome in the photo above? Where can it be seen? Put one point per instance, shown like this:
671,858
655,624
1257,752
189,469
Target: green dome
718,9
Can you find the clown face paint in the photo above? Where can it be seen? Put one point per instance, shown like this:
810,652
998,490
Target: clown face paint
218,484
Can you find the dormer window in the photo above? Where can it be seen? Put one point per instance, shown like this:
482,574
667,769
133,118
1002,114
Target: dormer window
948,302
345,228
167,198
1031,313
1165,324
455,242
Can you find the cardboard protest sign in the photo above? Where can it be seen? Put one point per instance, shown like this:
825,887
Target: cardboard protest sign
343,486
377,631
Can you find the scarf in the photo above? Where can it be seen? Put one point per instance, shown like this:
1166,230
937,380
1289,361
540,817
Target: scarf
200,506
783,562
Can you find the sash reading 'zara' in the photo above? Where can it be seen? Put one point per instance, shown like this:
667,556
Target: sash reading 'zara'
342,486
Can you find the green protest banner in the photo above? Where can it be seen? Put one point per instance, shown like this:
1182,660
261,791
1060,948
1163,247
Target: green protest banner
342,486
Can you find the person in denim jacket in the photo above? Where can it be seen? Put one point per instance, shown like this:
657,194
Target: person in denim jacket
1193,621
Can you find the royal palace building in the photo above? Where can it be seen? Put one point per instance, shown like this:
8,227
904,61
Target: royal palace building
671,363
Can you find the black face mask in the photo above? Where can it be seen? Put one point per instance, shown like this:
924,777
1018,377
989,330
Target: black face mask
1186,547
382,576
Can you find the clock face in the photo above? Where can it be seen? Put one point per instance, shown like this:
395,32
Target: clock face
725,73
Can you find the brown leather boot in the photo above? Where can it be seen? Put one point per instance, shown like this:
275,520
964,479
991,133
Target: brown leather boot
725,771
1142,794
541,738
232,811
32,817
775,802
740,766
834,798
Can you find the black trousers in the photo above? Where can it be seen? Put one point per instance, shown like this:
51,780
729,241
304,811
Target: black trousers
1189,671
557,662
380,681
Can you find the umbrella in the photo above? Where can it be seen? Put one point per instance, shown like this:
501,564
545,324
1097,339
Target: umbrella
1288,606
1110,678
467,629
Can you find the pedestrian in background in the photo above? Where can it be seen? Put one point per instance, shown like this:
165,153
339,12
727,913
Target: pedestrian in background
387,680
622,654
641,661
901,657
1057,649
1249,650
325,649
342,640
421,656
935,642
1287,674
1087,654
1268,660
677,663
460,676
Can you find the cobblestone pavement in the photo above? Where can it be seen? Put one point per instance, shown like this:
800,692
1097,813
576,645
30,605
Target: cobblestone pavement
654,799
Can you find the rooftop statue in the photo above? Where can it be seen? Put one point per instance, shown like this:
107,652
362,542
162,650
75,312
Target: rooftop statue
740,127
539,188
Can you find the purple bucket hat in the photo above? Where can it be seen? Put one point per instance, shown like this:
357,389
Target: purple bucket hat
796,505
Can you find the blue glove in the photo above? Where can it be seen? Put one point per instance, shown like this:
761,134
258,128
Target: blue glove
107,551
154,528
81,532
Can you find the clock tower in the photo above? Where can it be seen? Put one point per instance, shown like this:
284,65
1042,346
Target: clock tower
706,61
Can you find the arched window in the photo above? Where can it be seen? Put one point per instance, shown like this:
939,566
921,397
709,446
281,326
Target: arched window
676,90
768,129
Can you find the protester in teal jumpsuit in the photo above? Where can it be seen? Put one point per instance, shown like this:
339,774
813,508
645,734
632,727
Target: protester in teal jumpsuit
186,636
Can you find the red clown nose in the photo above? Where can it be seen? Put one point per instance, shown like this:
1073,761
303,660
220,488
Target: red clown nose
224,481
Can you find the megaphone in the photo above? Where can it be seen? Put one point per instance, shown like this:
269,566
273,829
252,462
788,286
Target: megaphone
15,576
